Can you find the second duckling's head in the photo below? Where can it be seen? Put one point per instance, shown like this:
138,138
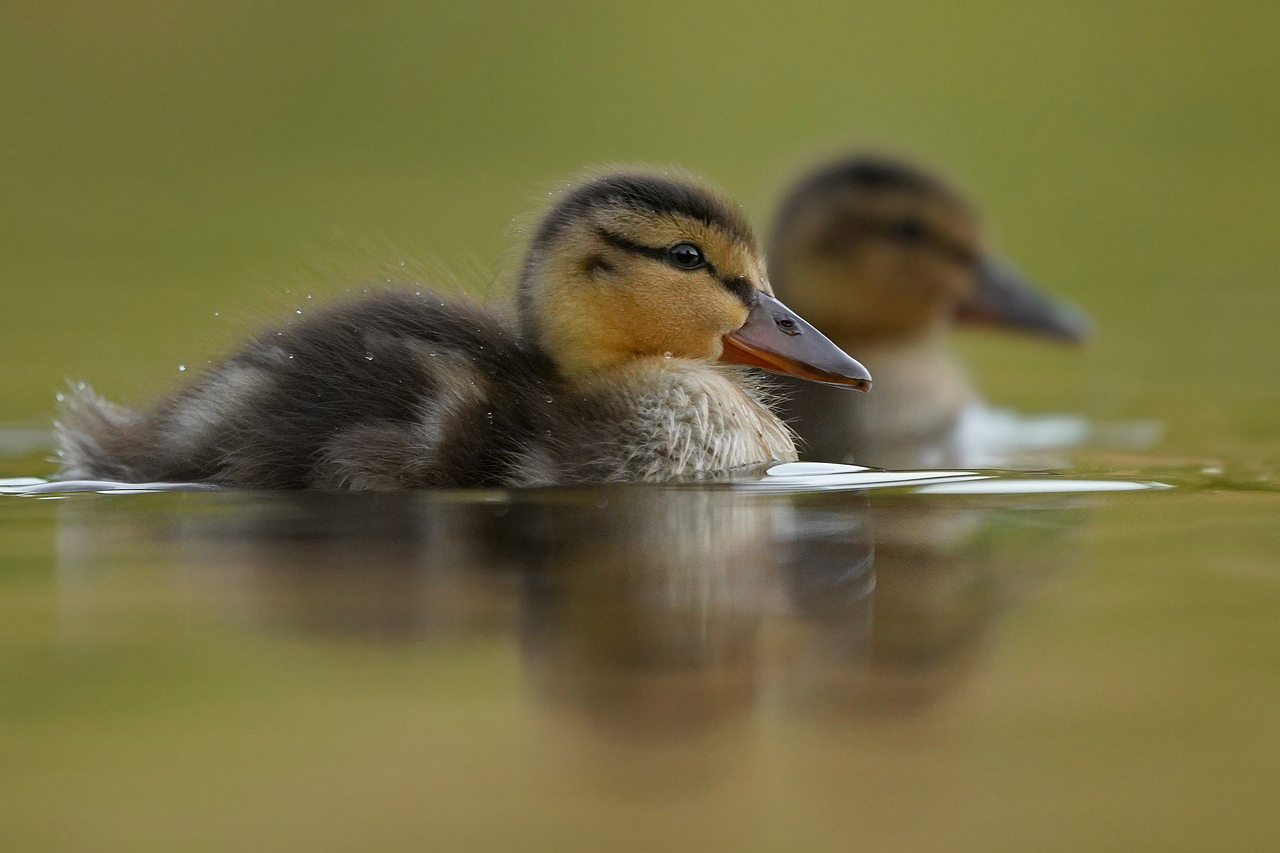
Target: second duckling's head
873,249
634,264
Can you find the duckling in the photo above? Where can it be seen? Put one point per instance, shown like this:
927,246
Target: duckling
634,292
880,254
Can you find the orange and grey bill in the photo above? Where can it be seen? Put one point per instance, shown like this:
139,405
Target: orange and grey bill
779,340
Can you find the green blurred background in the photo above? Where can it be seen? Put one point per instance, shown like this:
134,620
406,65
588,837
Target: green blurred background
174,172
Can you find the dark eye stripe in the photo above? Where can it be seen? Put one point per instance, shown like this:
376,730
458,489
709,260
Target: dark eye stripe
915,232
742,288
620,242
737,285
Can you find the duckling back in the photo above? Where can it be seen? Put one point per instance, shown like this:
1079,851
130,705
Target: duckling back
396,390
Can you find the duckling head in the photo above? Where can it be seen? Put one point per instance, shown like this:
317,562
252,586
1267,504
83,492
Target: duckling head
874,250
633,265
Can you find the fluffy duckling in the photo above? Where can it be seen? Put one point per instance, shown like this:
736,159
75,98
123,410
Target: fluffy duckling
883,256
633,291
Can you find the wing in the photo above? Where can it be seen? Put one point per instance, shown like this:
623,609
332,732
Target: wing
394,390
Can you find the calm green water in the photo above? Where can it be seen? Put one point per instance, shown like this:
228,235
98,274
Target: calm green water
640,669
581,670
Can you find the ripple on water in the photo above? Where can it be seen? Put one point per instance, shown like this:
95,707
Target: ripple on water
795,477
787,478
38,486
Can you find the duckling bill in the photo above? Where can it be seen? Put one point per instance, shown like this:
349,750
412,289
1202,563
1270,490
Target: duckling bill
637,295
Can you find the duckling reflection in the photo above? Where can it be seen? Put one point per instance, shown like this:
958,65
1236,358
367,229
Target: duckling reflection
946,575
384,567
887,258
655,625
646,623
647,613
393,567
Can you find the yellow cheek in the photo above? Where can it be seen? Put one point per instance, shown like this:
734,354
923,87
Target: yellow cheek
685,317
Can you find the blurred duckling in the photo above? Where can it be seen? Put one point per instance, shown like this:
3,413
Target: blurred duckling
635,290
884,257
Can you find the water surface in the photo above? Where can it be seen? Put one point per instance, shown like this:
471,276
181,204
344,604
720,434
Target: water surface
723,667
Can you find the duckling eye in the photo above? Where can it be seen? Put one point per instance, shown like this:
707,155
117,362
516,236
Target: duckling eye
686,256
910,230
